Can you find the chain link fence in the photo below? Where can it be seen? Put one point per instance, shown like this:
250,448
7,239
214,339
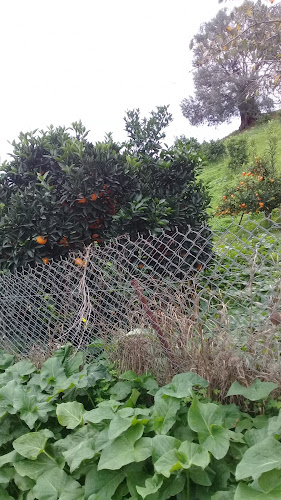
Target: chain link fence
160,303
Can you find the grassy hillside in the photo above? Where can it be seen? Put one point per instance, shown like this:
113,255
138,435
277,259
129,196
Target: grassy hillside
218,177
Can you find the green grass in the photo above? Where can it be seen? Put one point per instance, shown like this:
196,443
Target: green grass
218,177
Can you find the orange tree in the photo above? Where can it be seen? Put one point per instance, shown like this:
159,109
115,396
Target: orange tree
258,190
60,192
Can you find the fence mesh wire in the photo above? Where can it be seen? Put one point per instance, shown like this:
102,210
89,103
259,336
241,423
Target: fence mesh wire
150,300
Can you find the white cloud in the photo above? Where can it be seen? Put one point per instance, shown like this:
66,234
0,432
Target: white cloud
66,60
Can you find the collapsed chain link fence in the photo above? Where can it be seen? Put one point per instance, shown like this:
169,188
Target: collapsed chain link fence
157,303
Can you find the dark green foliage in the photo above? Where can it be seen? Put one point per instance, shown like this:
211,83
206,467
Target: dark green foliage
213,150
237,149
62,437
62,187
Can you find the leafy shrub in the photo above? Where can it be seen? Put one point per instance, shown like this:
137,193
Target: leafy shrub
138,442
213,150
61,192
237,148
259,191
190,142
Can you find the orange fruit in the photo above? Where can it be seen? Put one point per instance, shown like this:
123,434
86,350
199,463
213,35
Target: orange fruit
261,204
45,260
140,266
224,197
94,196
64,241
81,200
249,173
41,240
199,267
79,262
243,173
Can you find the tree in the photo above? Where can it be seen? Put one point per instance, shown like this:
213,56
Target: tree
61,192
237,65
259,190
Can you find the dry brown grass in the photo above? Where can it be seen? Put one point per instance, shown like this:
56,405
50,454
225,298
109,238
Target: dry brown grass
215,355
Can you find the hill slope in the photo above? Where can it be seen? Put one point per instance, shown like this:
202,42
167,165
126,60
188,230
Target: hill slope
218,177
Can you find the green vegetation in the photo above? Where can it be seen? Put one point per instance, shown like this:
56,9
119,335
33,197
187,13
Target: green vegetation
236,61
75,431
219,178
61,192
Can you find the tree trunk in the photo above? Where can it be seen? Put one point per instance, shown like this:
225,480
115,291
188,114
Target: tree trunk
249,112
247,121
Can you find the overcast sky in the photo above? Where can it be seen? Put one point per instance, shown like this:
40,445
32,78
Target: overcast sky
66,60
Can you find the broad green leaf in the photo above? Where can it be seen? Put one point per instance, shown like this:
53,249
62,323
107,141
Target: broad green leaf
152,485
32,444
262,457
21,369
23,483
57,485
52,372
29,407
121,390
6,474
202,415
258,390
34,468
268,481
223,495
206,419
124,450
7,397
165,411
231,414
119,425
5,431
245,492
4,495
72,364
78,446
181,385
172,486
70,415
199,476
103,483
8,458
6,360
216,442
163,444
187,455
136,474
98,415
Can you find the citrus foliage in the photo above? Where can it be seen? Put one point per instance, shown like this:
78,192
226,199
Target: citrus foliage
61,192
258,190
72,431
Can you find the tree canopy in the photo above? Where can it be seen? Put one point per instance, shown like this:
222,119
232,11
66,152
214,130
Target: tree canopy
237,65
60,192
